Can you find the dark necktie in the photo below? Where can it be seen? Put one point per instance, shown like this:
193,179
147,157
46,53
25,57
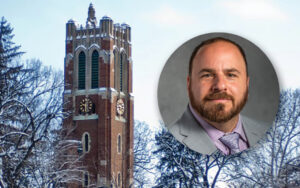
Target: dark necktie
231,140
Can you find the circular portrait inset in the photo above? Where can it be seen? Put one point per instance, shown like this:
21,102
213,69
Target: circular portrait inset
218,91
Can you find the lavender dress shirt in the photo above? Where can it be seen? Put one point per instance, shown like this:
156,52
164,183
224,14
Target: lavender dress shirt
216,134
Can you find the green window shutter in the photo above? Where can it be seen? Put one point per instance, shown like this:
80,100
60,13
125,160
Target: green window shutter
121,72
115,68
81,71
95,69
123,63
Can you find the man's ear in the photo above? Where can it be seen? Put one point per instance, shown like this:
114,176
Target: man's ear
188,82
248,80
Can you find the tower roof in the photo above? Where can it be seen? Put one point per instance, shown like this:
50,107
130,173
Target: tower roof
106,18
71,21
125,25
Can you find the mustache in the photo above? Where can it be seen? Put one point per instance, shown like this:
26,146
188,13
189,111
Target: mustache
216,96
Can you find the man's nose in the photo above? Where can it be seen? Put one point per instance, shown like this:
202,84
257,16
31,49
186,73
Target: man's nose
219,83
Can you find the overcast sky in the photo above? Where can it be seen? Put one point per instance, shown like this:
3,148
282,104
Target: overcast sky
158,28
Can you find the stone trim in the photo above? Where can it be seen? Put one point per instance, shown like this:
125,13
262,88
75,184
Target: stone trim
85,117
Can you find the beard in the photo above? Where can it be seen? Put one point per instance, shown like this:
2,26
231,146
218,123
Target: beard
216,112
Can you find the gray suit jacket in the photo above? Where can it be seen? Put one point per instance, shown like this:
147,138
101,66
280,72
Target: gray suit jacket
188,131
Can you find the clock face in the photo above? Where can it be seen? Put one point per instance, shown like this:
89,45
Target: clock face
120,107
85,105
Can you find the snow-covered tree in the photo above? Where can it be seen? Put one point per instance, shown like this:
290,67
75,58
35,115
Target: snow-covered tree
143,160
58,163
30,108
30,119
8,49
180,166
273,162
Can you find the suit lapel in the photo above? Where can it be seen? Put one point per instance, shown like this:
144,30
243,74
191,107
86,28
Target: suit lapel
195,136
253,130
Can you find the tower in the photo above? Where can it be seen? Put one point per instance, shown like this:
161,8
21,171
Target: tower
98,92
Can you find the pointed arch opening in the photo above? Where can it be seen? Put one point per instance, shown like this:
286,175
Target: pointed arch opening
85,182
117,70
119,144
86,142
81,70
123,72
119,179
95,69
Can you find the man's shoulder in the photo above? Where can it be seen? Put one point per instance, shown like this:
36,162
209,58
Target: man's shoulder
255,124
188,131
179,127
254,129
184,124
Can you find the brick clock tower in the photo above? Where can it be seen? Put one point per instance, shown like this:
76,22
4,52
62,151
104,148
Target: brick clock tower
98,92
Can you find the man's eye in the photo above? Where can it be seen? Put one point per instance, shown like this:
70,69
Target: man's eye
231,75
206,75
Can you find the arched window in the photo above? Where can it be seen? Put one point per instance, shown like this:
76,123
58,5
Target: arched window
119,179
116,68
81,70
86,142
120,60
121,72
119,143
95,69
86,179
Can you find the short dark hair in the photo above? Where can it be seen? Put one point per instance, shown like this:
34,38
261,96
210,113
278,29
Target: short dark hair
210,41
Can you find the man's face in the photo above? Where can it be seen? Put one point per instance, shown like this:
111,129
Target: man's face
218,84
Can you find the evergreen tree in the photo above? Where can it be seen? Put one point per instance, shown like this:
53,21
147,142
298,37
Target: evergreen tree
180,166
30,115
8,68
8,49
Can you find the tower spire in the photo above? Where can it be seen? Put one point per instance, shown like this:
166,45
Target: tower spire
91,20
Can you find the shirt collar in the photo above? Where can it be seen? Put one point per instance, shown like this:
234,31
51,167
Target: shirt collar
214,133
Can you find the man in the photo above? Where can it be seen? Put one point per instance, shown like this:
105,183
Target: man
217,86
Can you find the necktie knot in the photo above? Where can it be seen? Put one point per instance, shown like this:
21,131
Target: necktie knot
231,140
